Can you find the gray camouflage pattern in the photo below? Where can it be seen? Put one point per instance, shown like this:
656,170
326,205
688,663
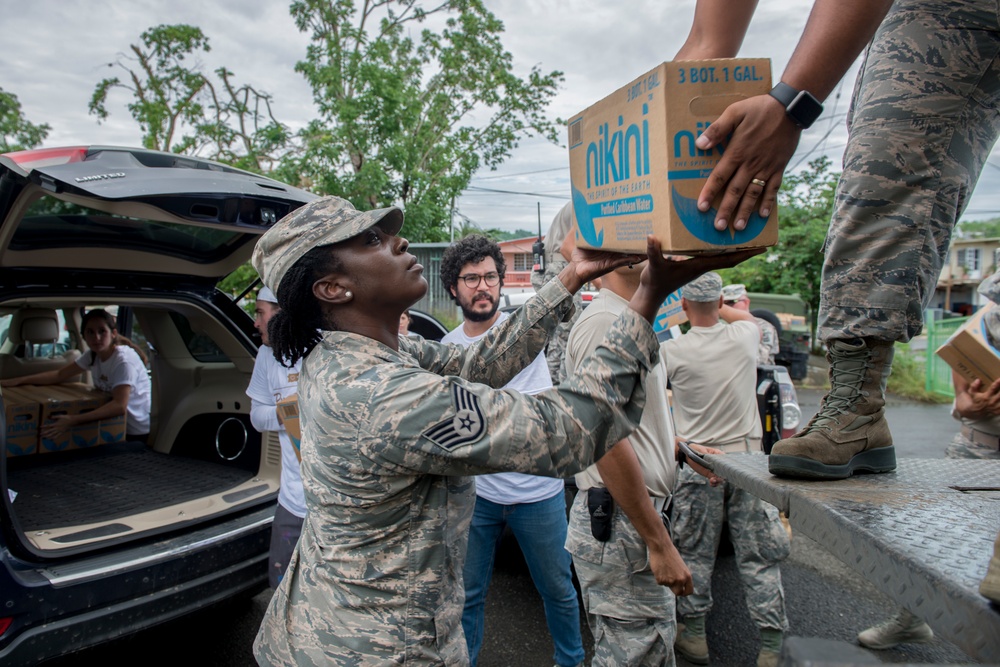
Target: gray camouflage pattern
555,349
990,288
961,447
703,289
323,221
769,346
389,441
564,223
631,617
922,124
758,538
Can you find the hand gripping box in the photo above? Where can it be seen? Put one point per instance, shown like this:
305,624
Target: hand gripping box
73,399
969,351
635,169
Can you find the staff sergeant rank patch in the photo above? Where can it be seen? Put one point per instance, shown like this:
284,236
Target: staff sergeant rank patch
465,427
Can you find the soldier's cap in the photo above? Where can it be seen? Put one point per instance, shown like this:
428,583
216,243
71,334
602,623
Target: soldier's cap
703,289
734,292
266,294
323,221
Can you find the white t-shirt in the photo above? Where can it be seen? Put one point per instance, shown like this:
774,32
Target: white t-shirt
653,441
713,375
511,488
270,383
123,367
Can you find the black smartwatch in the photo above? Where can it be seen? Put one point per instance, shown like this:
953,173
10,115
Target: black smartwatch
800,105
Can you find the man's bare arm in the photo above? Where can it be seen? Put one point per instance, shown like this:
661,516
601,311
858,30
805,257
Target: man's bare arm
622,474
718,29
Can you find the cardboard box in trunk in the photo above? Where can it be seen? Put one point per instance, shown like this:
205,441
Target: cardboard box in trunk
21,412
969,352
73,399
635,169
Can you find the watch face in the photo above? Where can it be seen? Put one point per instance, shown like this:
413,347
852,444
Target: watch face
804,109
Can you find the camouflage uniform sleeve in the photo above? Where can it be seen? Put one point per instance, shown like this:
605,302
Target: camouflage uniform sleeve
449,426
506,349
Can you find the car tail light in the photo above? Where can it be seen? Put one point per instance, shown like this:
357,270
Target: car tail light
46,157
791,413
5,623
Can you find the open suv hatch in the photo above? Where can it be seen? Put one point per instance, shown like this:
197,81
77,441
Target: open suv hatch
99,540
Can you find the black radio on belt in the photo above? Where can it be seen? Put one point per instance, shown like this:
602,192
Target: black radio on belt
601,506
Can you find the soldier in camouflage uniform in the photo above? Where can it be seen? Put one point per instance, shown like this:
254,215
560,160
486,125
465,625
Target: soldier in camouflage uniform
562,225
977,407
922,123
630,571
712,371
735,295
392,427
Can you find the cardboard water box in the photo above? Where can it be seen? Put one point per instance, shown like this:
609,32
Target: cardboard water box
21,412
969,351
635,169
670,313
288,411
73,399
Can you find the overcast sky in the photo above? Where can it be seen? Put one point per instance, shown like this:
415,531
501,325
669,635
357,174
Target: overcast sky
56,51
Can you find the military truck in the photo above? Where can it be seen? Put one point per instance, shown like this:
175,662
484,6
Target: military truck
790,315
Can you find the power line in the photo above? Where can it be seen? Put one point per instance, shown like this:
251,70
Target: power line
520,173
513,192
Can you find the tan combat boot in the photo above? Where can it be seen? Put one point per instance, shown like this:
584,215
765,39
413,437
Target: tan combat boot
770,647
691,643
849,433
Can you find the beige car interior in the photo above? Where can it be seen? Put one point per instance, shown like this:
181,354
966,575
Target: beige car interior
185,385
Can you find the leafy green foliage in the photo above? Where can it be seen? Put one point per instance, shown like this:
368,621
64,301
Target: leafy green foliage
180,109
16,132
909,377
795,264
407,120
986,229
236,282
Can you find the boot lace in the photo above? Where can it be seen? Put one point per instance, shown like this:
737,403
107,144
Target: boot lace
847,375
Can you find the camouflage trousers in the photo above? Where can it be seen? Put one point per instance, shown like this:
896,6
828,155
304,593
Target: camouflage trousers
922,123
962,447
631,616
758,538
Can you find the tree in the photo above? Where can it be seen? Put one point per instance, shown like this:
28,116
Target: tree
16,133
182,110
978,228
407,121
795,264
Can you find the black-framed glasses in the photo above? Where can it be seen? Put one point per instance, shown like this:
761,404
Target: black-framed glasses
472,280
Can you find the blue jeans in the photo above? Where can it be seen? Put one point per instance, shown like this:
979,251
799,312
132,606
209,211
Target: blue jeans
540,529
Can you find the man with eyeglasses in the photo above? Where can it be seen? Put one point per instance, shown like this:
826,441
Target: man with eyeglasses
533,507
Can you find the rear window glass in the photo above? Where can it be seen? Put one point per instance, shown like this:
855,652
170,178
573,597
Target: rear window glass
200,345
50,223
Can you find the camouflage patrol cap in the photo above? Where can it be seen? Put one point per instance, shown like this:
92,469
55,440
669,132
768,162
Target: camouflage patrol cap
734,292
703,289
321,222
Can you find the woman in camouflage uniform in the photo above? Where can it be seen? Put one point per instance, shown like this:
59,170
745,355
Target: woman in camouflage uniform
393,426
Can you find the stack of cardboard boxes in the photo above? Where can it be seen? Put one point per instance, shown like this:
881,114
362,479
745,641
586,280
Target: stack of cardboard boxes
28,408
